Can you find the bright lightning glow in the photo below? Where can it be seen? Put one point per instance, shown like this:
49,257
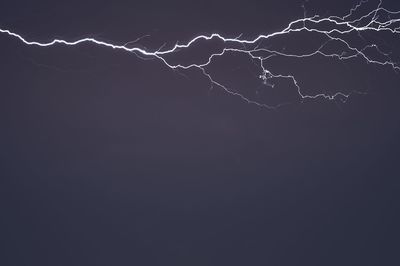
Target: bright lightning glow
334,29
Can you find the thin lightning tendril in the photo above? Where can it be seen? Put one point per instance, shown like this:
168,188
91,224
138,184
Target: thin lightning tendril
379,19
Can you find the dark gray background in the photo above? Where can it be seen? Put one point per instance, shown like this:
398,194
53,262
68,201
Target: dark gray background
106,159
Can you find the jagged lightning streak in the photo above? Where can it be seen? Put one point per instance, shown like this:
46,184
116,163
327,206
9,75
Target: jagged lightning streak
335,29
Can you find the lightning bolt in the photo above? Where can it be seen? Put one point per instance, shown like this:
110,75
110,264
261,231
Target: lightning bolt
337,30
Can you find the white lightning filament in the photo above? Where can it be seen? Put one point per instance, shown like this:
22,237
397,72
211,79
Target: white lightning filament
379,19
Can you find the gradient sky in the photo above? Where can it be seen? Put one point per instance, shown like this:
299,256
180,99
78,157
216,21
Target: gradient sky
106,159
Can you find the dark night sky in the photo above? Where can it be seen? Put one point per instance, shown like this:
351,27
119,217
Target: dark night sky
106,159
